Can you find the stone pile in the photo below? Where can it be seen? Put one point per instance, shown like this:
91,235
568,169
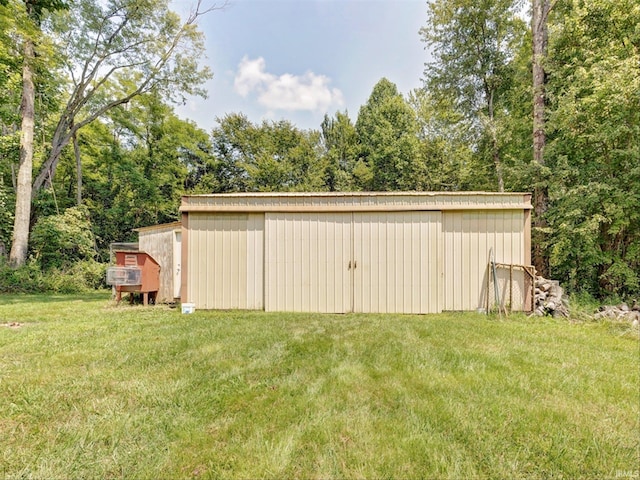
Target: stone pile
620,312
549,298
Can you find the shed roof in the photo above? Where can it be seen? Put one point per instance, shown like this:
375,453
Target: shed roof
354,201
162,226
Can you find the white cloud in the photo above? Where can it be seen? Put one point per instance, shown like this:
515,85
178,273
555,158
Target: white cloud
285,92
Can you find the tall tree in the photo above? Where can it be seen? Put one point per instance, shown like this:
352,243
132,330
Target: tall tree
118,50
339,140
138,162
387,133
446,160
34,10
593,146
472,44
114,50
271,156
540,38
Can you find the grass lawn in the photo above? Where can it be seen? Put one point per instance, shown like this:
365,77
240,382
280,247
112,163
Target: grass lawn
91,390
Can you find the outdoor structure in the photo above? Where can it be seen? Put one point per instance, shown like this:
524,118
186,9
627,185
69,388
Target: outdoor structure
163,243
135,272
409,252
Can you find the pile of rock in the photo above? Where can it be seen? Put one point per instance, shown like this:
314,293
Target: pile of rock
549,298
620,312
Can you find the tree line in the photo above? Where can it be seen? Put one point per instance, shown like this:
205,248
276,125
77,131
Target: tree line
541,97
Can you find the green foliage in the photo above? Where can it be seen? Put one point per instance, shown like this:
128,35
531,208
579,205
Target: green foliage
594,81
271,156
91,275
445,155
82,276
25,279
6,219
387,134
58,241
474,45
339,142
10,71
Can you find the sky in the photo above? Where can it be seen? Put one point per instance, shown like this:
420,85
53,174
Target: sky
298,60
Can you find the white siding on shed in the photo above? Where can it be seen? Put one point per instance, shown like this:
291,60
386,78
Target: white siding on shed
306,262
398,266
468,239
227,273
404,252
387,262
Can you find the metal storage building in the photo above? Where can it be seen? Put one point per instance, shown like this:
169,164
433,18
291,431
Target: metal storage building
399,252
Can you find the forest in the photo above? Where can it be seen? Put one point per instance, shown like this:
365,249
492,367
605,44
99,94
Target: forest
540,97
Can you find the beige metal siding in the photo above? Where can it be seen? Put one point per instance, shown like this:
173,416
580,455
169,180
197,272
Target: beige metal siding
225,261
353,202
397,259
410,252
468,239
306,262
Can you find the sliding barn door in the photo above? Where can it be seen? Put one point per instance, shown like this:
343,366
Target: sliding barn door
386,262
307,259
397,262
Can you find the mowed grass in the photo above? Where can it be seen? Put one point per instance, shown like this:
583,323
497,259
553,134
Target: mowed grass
91,390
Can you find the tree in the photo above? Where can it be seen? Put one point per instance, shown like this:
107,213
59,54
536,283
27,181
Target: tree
387,133
540,36
473,45
114,51
445,157
139,160
34,10
593,146
271,156
58,241
340,143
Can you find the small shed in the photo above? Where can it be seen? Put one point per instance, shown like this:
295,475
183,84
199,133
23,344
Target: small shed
163,243
392,252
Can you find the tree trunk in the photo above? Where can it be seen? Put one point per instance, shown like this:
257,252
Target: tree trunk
20,240
540,198
76,152
495,148
498,164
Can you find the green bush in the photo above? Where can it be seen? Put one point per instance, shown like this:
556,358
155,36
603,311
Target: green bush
92,274
80,277
25,279
59,241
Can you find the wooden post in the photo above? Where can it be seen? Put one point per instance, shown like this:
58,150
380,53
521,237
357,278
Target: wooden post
510,288
488,284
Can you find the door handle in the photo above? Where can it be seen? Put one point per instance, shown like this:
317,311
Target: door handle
349,267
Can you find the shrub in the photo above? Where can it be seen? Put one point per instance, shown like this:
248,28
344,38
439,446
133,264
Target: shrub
25,279
92,274
81,277
59,241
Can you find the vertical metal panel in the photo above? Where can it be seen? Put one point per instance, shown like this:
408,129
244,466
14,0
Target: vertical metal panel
398,268
306,262
468,238
225,261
